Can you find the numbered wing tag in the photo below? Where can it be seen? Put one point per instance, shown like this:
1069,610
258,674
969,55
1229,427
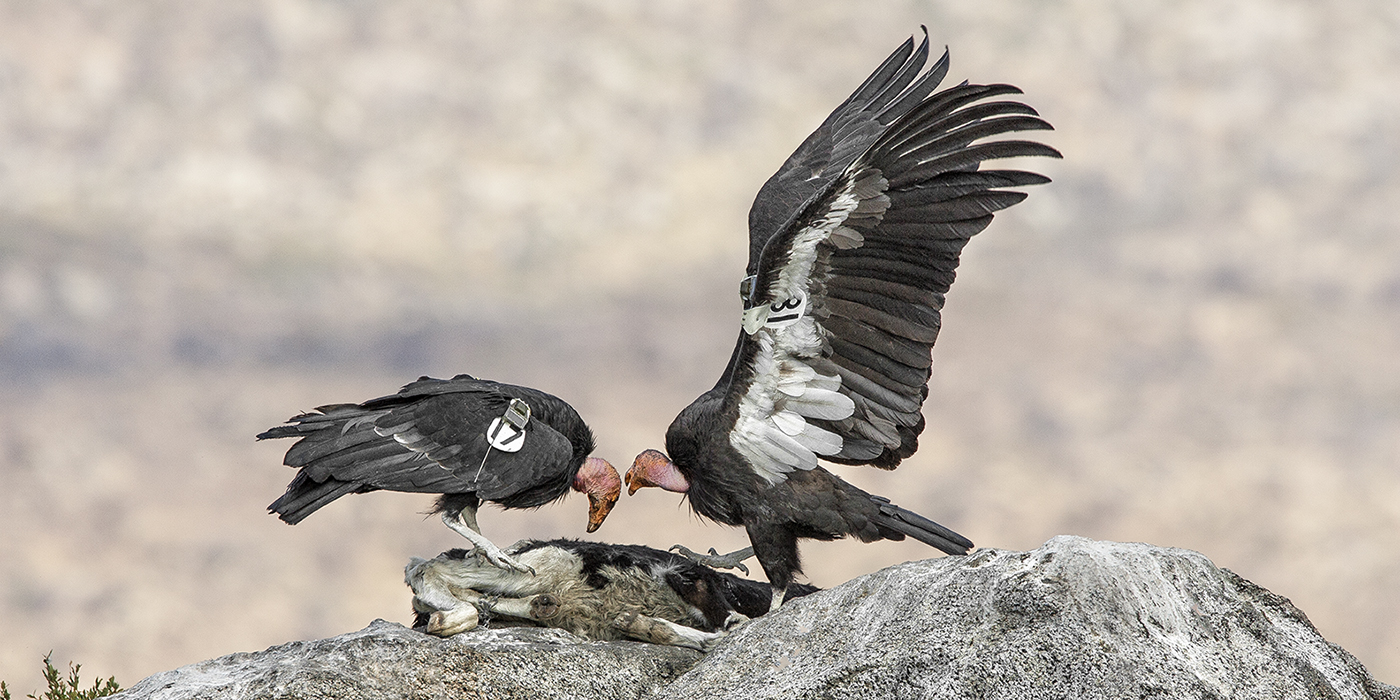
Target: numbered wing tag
787,312
779,314
507,433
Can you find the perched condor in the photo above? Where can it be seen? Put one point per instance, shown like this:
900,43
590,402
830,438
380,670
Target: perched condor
469,439
852,246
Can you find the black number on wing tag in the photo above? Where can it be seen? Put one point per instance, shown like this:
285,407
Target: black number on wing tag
787,311
507,433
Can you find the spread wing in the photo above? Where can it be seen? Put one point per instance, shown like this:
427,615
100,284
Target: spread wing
844,304
430,437
889,92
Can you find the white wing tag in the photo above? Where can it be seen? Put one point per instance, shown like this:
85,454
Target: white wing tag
507,433
779,314
787,312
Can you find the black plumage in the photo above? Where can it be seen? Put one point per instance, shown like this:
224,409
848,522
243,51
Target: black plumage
431,437
861,228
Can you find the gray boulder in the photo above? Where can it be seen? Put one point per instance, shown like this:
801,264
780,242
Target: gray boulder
388,660
1075,618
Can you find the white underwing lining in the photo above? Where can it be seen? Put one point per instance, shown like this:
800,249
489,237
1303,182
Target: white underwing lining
772,430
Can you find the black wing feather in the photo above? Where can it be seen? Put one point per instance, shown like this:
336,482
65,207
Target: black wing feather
969,157
942,106
884,365
896,290
956,184
901,350
969,206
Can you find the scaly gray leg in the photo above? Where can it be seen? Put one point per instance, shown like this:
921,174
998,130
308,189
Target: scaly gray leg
464,524
715,560
778,594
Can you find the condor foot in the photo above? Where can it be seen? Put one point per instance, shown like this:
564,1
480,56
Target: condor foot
715,560
493,555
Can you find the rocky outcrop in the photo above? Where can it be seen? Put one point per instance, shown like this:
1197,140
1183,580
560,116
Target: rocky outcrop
1075,618
388,660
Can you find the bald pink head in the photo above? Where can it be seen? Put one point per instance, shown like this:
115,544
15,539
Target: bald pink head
599,480
652,468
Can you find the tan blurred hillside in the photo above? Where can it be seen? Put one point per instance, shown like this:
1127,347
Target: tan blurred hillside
213,216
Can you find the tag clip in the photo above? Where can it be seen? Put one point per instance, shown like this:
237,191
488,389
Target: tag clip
507,433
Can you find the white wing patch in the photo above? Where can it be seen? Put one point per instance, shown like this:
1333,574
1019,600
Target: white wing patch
772,430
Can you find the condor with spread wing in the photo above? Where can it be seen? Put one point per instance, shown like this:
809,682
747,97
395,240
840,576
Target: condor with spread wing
853,244
469,439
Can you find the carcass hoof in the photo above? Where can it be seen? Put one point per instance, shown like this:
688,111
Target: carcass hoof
445,623
735,619
544,606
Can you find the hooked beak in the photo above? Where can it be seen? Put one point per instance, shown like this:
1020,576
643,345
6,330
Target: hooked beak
636,475
599,506
599,481
652,468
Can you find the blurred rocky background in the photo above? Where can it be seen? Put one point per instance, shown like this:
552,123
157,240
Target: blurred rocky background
216,215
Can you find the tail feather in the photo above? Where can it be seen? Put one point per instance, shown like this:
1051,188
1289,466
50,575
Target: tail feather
342,428
338,451
909,523
304,423
305,496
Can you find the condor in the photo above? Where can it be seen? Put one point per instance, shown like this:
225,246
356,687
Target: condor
852,245
470,440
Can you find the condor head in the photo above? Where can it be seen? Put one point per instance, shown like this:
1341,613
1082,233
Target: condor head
652,468
599,480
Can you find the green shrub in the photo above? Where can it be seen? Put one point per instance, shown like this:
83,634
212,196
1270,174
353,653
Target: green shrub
69,688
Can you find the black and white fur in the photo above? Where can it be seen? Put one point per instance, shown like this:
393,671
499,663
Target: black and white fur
595,590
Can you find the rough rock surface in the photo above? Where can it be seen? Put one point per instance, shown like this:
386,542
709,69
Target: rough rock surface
388,660
1075,618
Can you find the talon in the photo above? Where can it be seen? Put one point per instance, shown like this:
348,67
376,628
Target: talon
714,560
501,560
